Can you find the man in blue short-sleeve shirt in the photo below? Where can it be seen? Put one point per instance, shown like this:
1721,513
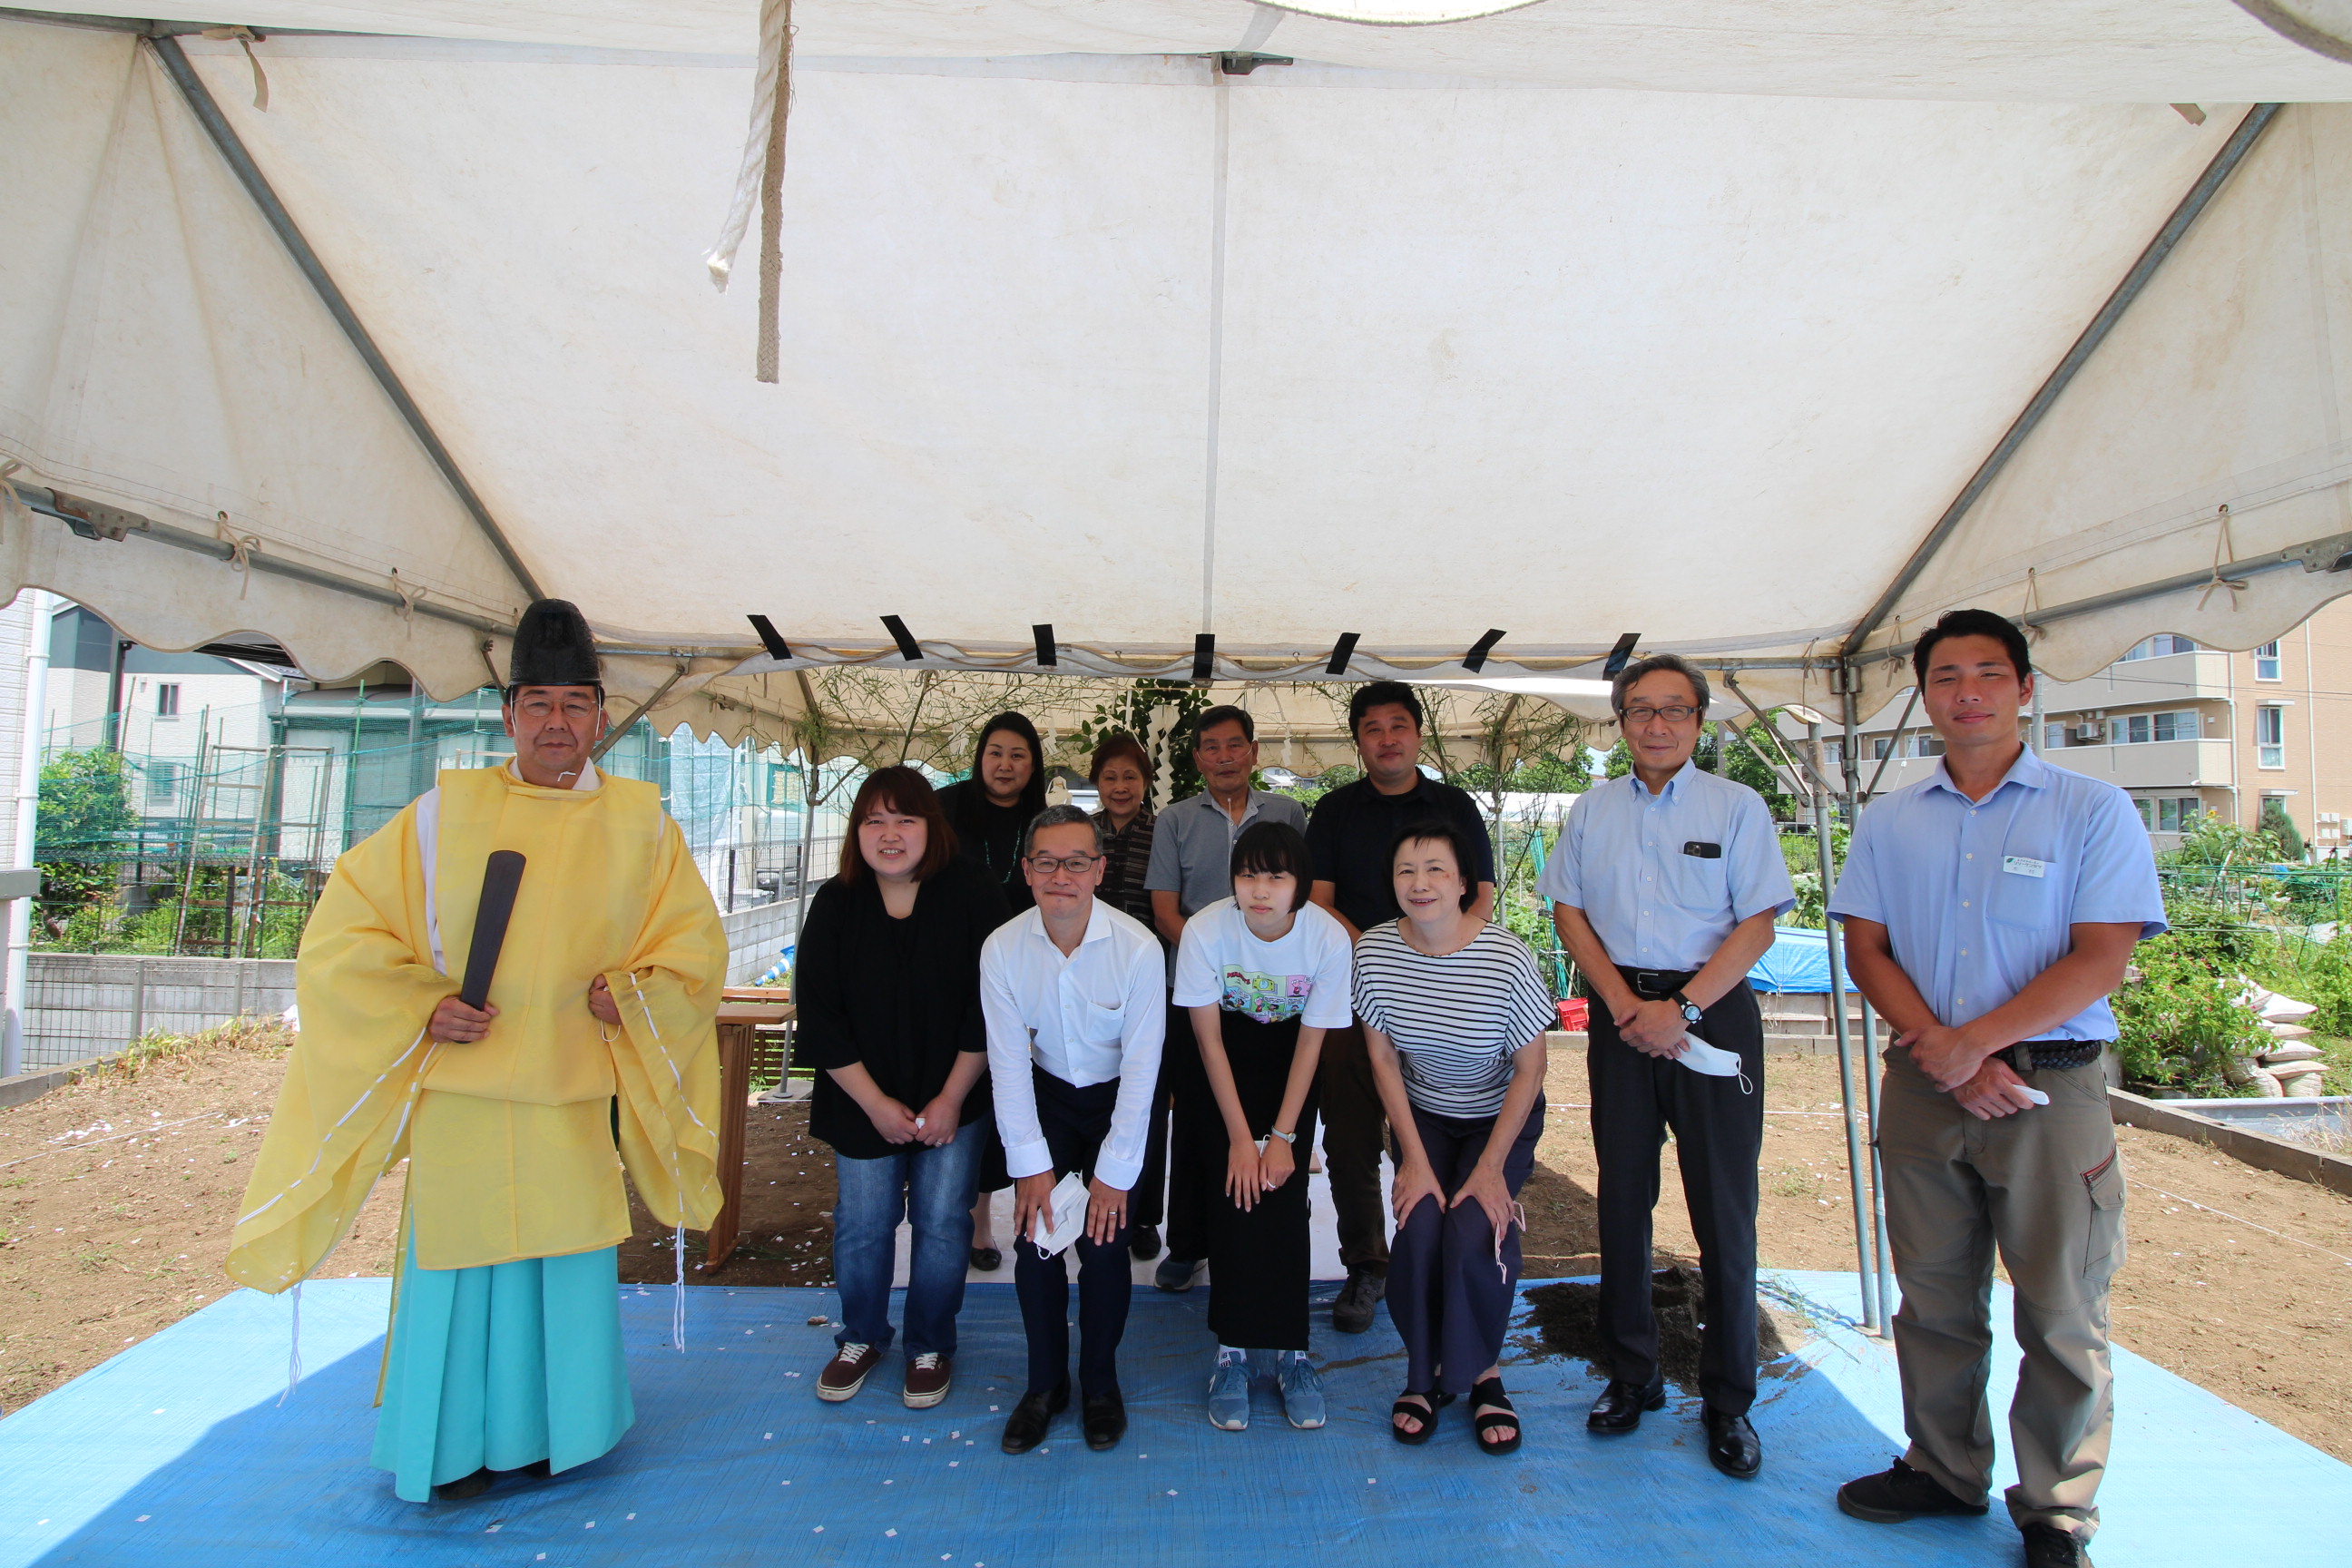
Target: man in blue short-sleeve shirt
1665,888
1988,911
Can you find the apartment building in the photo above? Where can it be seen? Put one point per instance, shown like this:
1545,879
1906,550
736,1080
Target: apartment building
2186,730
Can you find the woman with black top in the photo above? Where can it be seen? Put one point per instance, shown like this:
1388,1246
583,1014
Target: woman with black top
990,810
1121,772
888,988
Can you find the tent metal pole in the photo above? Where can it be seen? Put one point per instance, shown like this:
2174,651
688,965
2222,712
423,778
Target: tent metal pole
200,102
1849,677
1865,1271
613,736
2200,195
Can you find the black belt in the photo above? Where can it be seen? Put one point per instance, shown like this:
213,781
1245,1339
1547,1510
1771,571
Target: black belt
1657,984
2027,1055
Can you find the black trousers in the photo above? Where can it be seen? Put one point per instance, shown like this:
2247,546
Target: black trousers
1075,1122
1259,1259
1450,1287
1172,1162
1718,1135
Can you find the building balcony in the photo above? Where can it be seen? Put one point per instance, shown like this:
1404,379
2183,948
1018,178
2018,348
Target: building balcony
2152,766
2144,682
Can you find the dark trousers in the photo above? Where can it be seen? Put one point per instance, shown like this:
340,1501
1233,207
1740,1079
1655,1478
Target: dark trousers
1074,1122
1449,1293
1355,1128
1718,1135
1259,1259
1186,1088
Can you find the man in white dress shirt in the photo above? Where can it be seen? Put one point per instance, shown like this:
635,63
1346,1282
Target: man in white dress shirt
1074,993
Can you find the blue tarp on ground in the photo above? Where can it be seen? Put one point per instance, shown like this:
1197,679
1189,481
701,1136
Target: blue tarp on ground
1798,960
177,1454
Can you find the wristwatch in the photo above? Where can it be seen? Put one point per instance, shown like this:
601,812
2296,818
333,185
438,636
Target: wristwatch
1277,1132
1691,1013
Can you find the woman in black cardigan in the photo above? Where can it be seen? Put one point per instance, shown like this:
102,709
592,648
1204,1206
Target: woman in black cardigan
888,988
990,812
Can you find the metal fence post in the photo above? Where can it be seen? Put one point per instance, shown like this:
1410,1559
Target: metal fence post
138,999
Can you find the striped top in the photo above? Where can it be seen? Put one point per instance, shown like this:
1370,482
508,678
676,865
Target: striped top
1456,1021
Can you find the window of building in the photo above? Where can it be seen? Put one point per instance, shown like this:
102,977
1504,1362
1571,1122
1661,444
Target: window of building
1927,743
1880,747
2270,736
2171,813
2266,665
164,780
2160,644
167,701
2139,729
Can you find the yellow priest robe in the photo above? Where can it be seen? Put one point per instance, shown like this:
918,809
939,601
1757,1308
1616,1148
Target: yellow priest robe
511,1138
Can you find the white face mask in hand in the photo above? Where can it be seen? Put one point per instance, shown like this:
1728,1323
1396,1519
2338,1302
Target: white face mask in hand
1714,1061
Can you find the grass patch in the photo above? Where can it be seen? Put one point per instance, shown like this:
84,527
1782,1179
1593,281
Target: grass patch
258,1036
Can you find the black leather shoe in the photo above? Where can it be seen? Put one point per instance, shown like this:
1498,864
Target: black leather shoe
2047,1546
1352,1309
1895,1495
1143,1242
464,1486
987,1259
1026,1427
1104,1420
1620,1406
1731,1445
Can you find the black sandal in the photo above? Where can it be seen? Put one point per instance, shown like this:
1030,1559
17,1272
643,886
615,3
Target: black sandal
1438,1400
1501,1413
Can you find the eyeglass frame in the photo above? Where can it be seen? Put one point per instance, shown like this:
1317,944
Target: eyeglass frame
1644,714
1047,864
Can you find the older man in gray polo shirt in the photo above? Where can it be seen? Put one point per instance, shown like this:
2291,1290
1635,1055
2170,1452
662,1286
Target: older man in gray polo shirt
1192,867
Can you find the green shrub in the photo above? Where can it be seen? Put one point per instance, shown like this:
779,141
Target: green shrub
2181,1025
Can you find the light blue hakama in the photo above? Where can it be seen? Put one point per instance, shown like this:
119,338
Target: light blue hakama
502,1367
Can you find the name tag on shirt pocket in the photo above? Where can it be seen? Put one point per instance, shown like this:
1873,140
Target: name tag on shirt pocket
2025,893
1701,850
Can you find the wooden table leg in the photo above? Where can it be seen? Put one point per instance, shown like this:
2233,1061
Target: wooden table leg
734,1092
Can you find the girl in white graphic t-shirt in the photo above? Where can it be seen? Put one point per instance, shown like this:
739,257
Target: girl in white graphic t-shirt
1263,975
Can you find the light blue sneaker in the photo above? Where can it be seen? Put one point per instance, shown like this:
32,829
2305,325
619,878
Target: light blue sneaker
1302,1391
1229,1396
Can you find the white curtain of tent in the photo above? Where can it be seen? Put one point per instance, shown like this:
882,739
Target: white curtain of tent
1563,321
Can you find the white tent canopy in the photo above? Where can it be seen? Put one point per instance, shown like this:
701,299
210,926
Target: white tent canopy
1568,321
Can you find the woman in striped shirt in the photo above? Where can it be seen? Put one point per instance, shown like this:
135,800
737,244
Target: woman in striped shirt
1454,1013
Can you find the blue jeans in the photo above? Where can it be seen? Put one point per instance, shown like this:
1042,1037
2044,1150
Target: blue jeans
935,1188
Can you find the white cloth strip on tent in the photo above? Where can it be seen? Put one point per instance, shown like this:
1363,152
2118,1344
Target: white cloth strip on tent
1570,363
2051,51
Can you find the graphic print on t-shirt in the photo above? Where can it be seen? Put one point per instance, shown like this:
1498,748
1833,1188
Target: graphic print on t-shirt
1267,998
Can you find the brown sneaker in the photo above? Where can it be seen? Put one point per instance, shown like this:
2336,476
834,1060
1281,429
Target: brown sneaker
844,1375
928,1377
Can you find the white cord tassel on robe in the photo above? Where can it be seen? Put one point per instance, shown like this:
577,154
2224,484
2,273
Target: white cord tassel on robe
761,177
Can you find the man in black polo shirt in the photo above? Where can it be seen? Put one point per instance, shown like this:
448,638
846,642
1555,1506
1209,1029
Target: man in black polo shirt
1350,834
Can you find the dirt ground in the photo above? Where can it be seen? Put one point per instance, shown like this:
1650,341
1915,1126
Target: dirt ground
116,1197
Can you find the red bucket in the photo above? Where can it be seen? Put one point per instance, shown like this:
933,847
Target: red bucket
1575,1014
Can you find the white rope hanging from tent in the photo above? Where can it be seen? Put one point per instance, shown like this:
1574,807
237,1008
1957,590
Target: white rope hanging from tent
761,178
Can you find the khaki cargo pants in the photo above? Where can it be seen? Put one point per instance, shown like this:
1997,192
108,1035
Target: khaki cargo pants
2045,1187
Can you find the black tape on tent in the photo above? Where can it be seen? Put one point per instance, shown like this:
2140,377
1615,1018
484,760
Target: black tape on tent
1621,656
1342,652
908,649
771,638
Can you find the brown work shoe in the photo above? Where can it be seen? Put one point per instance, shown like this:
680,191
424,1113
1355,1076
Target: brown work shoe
844,1375
928,1377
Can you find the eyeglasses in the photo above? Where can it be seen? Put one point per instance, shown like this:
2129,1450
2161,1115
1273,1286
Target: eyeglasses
1077,865
1674,714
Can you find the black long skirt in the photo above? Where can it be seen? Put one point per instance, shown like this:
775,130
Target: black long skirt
1259,1260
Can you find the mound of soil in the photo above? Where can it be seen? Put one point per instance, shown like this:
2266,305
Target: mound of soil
1567,1321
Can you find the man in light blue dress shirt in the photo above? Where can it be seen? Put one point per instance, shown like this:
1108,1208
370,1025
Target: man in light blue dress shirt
1988,911
1665,888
